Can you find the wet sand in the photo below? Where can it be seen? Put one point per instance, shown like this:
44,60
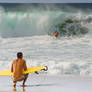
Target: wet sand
44,83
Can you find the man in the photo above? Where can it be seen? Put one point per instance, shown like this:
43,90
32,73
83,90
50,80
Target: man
55,34
17,67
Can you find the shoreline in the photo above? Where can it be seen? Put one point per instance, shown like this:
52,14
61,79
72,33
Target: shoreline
44,83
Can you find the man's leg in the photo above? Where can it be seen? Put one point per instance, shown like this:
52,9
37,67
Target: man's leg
14,84
26,76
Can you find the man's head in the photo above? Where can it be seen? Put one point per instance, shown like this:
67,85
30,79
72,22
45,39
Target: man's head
19,55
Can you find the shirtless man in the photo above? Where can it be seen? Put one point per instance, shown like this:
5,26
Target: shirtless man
17,67
55,34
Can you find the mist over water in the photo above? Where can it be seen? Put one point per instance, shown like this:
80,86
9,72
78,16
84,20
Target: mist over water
28,28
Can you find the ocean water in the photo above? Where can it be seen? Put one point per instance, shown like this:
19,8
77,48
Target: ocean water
28,28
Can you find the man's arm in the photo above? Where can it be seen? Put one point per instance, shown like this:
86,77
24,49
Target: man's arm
12,68
25,66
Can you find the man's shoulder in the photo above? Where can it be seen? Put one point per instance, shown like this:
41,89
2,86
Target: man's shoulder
23,60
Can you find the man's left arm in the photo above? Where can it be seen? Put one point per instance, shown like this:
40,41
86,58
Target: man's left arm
25,66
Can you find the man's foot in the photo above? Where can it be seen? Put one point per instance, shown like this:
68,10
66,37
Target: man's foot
14,89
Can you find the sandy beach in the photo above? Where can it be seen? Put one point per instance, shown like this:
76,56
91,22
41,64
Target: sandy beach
44,83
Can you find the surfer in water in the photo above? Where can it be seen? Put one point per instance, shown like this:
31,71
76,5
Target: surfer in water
17,67
55,34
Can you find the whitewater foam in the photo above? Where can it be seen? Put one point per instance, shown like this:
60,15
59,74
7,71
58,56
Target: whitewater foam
63,55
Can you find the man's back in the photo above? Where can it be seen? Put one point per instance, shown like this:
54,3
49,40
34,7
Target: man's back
17,67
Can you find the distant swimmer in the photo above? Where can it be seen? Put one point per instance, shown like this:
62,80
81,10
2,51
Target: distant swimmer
17,66
55,34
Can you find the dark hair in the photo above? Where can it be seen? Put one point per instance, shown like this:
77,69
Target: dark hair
19,55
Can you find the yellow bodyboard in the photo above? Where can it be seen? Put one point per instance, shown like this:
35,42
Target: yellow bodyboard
29,70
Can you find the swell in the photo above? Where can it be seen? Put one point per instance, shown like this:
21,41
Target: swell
39,19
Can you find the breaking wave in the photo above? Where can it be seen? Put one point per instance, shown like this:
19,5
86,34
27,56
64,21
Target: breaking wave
38,20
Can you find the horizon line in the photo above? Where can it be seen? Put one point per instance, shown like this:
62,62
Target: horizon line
45,1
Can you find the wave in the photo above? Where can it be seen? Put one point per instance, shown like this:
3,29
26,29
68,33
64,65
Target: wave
38,19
